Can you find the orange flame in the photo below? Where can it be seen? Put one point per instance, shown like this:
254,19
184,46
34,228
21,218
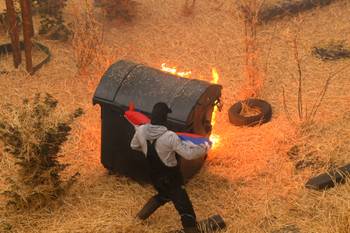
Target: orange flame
215,75
214,138
173,70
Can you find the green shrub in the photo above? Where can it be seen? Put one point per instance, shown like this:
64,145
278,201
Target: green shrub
52,23
33,136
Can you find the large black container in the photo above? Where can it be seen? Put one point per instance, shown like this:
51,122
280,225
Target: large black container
192,103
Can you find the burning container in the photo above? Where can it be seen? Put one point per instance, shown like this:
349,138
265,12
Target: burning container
192,103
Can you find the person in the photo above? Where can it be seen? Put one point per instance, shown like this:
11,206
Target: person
160,147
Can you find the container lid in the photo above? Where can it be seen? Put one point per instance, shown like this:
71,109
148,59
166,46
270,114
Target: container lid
126,82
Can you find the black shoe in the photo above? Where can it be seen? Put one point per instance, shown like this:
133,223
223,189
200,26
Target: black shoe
187,230
149,208
191,230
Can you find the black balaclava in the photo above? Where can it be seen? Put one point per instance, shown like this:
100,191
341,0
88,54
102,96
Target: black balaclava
160,114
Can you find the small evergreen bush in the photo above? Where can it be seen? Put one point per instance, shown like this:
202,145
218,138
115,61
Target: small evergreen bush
52,23
33,136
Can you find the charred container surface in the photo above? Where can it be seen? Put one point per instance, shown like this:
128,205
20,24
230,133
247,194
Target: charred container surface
192,103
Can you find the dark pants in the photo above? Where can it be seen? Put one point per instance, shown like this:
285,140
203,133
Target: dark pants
173,190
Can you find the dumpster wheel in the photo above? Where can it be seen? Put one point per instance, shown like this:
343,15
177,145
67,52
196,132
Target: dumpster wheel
261,113
7,48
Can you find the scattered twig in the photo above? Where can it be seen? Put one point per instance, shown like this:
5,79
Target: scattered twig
322,94
305,116
267,63
300,91
285,107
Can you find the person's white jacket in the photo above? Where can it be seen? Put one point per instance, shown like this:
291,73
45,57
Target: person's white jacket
167,144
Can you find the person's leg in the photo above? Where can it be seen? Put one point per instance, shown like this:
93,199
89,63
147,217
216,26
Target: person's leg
151,206
183,205
157,200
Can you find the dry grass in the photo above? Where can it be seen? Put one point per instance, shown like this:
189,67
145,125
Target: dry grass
249,178
188,8
87,38
306,111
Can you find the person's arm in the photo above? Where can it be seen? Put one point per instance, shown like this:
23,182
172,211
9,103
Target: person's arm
187,149
135,142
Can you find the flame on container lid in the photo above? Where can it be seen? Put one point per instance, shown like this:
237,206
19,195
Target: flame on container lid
214,138
173,70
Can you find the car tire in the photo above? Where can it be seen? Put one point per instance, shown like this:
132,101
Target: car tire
264,116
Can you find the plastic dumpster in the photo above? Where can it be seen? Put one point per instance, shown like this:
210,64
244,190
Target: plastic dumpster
192,103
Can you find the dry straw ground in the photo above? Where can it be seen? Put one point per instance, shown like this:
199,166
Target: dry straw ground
250,178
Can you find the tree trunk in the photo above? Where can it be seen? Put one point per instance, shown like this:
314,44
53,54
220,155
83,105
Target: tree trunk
14,34
27,33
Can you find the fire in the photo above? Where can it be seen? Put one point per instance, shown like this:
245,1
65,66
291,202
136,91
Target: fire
215,75
215,80
173,70
214,138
